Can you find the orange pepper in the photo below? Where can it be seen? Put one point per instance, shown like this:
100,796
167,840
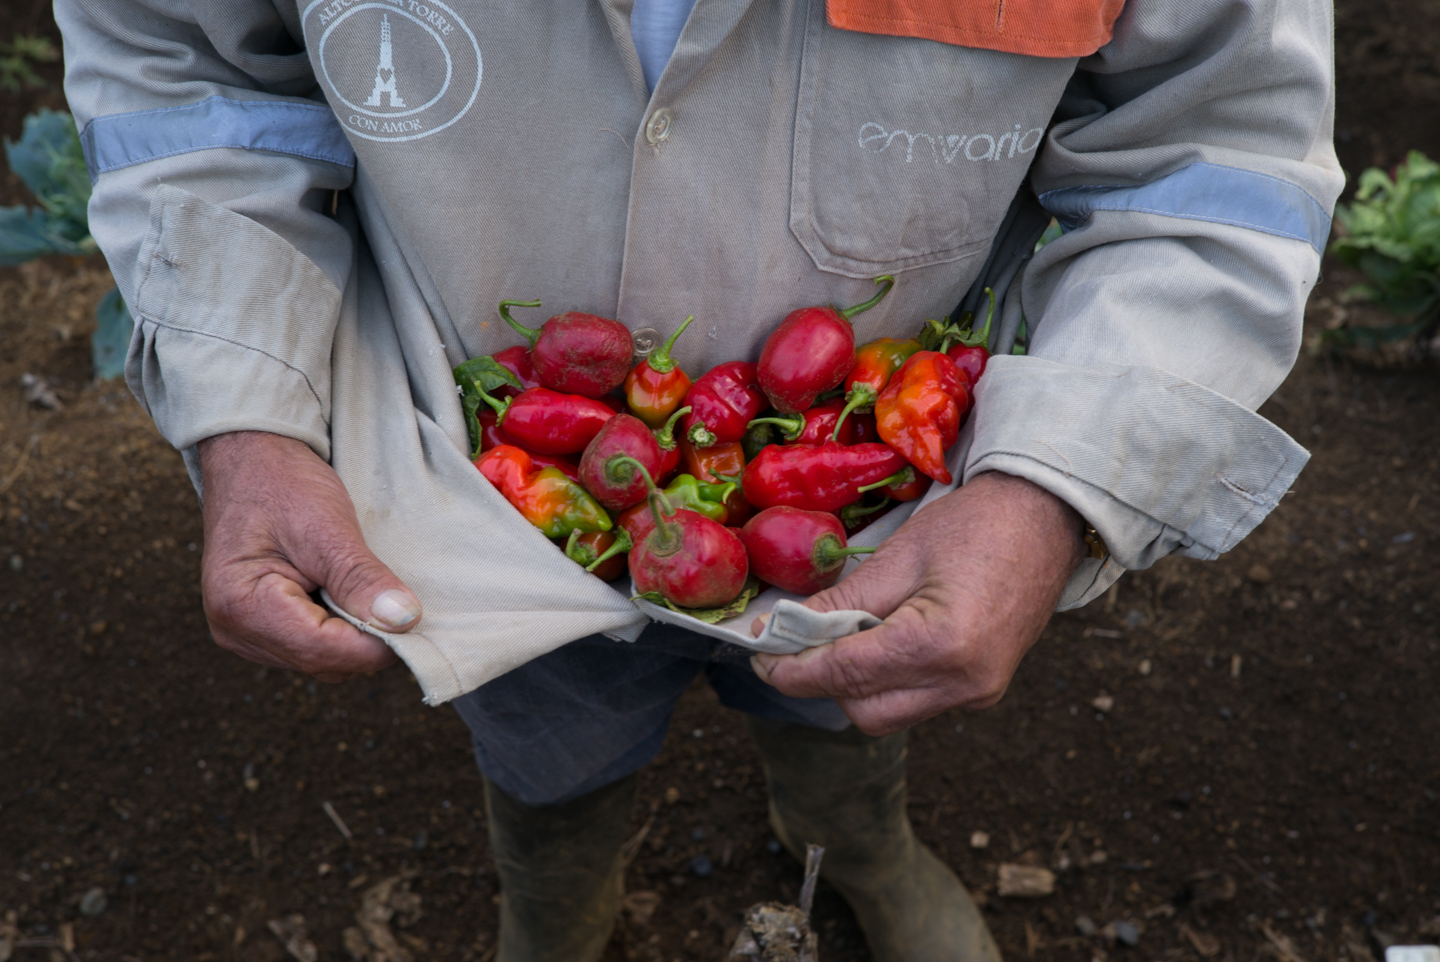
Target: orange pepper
918,413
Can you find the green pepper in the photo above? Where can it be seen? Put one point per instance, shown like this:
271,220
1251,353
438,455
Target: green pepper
687,492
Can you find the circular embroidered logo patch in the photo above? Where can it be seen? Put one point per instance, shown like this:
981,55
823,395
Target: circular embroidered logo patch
395,69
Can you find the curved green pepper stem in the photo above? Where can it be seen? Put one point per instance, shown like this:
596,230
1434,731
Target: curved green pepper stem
830,552
715,493
665,436
981,338
790,428
851,514
531,334
862,397
660,360
904,476
666,539
886,281
727,478
500,406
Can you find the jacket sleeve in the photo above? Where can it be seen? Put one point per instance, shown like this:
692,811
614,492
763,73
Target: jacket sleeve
214,162
1192,169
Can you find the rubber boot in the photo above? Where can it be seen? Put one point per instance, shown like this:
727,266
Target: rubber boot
846,791
561,872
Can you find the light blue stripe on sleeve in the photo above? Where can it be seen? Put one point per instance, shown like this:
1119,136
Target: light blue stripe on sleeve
305,130
1209,192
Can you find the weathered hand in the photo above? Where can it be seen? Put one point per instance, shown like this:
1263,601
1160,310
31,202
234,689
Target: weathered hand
278,525
965,587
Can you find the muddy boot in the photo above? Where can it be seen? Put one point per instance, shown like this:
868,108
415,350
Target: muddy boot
561,874
846,791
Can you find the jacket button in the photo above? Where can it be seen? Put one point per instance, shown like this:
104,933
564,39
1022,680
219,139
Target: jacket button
646,340
657,128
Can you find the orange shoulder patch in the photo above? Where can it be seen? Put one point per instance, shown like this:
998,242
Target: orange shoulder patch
1036,28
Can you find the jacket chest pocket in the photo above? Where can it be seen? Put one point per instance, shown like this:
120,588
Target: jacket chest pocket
907,152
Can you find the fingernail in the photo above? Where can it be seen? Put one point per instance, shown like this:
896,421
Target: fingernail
395,609
757,627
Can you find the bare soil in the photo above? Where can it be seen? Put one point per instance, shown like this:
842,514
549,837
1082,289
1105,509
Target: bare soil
1262,781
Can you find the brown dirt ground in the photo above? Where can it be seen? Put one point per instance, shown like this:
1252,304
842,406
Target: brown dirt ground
1264,785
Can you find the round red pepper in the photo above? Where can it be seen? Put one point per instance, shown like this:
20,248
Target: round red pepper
972,352
602,553
575,352
810,352
607,466
656,386
817,477
797,550
722,403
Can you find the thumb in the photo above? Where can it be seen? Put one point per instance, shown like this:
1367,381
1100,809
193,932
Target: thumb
362,585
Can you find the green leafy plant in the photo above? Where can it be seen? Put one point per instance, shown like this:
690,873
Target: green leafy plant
1392,234
49,161
16,58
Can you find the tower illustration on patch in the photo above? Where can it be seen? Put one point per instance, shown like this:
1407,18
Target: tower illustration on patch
394,70
385,70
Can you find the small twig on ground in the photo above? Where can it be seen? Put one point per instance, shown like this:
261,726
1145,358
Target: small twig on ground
813,855
20,465
632,847
1259,876
339,822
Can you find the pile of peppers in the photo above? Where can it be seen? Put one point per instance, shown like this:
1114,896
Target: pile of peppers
818,428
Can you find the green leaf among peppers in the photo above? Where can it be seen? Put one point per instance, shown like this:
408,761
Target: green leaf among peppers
710,615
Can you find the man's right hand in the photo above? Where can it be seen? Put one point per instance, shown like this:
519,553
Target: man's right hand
278,525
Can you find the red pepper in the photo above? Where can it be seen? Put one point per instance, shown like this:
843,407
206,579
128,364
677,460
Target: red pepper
722,403
549,422
708,464
797,550
576,353
919,413
602,553
817,425
817,477
810,352
543,495
656,386
607,466
907,484
972,352
875,363
687,559
492,436
516,360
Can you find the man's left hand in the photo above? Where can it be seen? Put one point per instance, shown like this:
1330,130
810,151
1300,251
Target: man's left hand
965,587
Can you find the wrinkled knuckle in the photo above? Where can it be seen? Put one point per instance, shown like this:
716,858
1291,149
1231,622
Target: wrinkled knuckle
847,678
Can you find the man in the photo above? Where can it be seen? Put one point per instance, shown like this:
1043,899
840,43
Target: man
312,209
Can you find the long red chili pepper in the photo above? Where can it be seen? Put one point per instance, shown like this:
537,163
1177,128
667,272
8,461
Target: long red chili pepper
656,386
817,477
919,413
817,425
875,363
543,495
549,422
811,351
722,403
575,352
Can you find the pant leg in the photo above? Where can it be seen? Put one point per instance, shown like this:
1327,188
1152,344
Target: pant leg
595,710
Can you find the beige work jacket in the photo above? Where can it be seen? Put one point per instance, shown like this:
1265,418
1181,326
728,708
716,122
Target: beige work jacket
312,211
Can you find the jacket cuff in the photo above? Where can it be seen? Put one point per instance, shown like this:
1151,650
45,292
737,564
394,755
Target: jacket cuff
234,328
1156,463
